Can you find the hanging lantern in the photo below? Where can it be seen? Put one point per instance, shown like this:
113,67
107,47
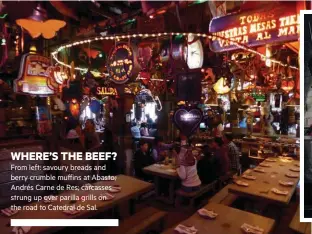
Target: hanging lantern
74,107
221,87
287,85
95,106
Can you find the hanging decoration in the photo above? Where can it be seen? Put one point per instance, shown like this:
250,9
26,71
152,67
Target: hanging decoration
187,119
221,86
121,63
95,106
156,35
34,75
74,108
287,84
37,25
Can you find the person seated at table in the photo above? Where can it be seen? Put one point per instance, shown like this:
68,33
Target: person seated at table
153,132
92,139
144,129
233,153
142,159
218,127
187,169
159,149
149,121
135,131
222,156
207,166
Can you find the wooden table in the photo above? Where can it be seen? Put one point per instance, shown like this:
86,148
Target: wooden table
260,188
166,172
131,188
228,221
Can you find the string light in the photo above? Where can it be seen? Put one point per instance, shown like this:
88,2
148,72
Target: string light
115,37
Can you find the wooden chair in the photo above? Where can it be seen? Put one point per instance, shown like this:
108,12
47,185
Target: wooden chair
147,220
193,195
304,228
224,197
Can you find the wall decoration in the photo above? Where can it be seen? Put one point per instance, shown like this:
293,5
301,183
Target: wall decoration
122,63
37,25
33,76
95,106
106,91
187,120
272,24
74,108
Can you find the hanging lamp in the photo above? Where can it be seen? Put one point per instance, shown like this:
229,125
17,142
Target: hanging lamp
221,87
37,24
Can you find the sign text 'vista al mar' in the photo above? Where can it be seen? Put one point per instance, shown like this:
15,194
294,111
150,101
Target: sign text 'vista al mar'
255,28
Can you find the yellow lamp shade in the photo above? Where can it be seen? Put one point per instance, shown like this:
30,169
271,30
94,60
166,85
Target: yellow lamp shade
220,86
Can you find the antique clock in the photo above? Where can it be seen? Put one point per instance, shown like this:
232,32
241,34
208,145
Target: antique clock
193,52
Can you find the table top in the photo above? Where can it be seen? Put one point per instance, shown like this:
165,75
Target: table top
260,188
161,170
130,188
229,220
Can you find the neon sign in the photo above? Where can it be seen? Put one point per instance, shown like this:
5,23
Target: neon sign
33,76
106,91
121,63
255,28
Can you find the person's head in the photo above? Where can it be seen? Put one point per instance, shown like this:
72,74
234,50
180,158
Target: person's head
209,113
143,125
217,120
147,116
90,126
219,141
134,124
143,146
229,136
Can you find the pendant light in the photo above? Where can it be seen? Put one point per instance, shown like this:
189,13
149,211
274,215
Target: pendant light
37,24
221,87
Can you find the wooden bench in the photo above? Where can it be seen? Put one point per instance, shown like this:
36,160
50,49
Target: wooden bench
193,195
304,228
146,220
224,197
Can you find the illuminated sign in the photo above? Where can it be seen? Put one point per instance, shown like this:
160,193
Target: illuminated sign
187,120
259,97
121,63
33,76
106,91
276,23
